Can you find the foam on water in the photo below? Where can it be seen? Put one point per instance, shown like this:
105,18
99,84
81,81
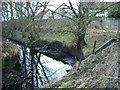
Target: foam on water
56,69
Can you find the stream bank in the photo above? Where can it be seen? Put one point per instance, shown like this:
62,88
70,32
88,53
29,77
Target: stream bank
13,57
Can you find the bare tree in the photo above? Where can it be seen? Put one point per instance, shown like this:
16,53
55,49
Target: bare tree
5,11
23,15
82,17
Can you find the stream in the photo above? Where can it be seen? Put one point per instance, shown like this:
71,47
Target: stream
43,66
54,69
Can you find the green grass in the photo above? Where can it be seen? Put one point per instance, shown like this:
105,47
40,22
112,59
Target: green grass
67,38
68,81
90,44
19,34
9,55
10,62
67,84
83,85
103,82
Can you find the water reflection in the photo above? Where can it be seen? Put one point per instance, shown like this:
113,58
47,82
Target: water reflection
55,70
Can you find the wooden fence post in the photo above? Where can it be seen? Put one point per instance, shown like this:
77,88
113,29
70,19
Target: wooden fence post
93,52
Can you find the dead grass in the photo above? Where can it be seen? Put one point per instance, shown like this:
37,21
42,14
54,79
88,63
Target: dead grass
93,72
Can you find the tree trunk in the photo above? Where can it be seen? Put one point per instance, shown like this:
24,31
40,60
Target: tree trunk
32,66
80,42
119,55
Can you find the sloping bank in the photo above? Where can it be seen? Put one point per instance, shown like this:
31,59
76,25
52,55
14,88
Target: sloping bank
96,71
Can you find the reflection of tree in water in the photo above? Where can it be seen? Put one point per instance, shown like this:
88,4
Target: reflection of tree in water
33,67
40,73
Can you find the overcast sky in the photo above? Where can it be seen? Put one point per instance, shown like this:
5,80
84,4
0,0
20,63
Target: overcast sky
59,2
74,1
65,1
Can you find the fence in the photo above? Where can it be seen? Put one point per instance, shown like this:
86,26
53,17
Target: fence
110,23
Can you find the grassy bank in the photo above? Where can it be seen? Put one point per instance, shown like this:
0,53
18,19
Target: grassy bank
9,55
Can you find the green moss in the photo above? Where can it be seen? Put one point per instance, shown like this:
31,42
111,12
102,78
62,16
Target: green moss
75,75
67,84
9,56
84,85
10,61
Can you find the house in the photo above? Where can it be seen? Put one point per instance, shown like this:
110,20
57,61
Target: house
58,13
63,10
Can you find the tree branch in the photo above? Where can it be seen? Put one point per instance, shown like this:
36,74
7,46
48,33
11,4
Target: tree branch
103,9
71,8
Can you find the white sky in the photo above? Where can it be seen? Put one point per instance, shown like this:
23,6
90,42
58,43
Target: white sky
65,1
59,2
74,1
